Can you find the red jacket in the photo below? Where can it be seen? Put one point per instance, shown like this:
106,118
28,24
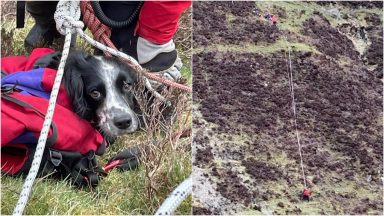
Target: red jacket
306,192
158,20
73,133
274,19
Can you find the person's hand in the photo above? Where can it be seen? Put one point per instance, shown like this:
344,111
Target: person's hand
173,73
51,60
161,59
125,160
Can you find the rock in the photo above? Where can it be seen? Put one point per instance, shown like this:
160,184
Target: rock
335,13
257,208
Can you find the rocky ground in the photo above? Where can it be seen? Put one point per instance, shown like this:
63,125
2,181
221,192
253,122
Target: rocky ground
246,157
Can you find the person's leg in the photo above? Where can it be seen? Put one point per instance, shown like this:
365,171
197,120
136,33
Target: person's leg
44,31
123,38
149,36
156,27
158,20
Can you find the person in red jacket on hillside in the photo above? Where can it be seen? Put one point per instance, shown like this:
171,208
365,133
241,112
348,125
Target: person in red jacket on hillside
306,194
143,30
274,19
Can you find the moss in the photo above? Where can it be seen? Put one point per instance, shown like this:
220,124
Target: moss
278,46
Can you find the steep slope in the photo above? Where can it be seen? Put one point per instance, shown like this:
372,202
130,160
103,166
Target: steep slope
245,148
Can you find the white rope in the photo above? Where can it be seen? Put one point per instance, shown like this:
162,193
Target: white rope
291,84
26,190
23,199
67,17
120,55
64,19
177,196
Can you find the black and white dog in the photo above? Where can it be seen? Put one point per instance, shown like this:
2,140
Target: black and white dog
101,90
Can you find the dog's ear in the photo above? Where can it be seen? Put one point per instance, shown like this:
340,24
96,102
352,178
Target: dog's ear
73,83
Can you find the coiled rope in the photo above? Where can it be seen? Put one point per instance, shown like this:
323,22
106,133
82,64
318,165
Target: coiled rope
67,17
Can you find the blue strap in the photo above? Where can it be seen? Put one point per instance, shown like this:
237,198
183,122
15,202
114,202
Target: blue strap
29,82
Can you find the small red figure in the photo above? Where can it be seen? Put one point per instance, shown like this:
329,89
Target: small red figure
306,194
274,19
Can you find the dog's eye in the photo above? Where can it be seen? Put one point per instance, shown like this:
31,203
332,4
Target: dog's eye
126,86
95,94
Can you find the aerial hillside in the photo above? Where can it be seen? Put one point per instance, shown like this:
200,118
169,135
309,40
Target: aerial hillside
246,157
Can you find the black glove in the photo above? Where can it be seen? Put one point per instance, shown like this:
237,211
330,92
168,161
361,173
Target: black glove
51,60
125,160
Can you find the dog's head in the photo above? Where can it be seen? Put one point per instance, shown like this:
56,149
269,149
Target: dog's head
101,89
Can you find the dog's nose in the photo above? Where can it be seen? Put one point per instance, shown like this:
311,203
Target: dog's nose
123,122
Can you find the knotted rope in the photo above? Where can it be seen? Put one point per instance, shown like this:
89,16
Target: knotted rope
100,32
67,17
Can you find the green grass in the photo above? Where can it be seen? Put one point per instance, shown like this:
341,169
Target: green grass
296,14
230,18
186,71
320,204
119,192
279,45
294,21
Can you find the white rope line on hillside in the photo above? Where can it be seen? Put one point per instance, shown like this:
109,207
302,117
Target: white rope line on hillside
67,17
291,84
